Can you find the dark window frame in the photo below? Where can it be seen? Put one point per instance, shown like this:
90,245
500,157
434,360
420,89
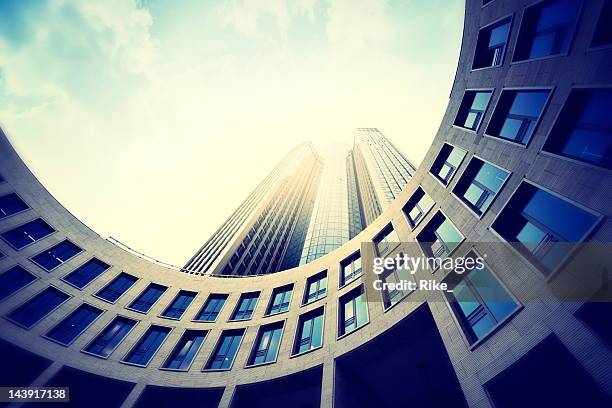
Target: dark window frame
320,294
101,332
288,289
48,251
255,347
68,316
489,27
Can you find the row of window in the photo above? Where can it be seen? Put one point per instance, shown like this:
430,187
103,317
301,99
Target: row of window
546,30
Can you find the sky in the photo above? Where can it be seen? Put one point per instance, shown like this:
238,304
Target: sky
152,120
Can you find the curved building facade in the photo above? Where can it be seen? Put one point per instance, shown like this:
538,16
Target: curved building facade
521,163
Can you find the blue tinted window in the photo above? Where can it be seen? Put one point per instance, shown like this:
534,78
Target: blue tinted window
417,206
27,233
212,308
353,311
479,184
72,326
246,306
397,276
583,130
185,350
281,297
539,220
316,287
147,299
86,273
57,255
439,237
147,346
179,304
111,336
11,204
480,301
491,45
267,344
516,114
117,287
309,331
546,29
225,352
32,311
446,164
351,269
14,279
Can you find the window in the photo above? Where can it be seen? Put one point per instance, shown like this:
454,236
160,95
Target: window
316,287
418,206
185,350
479,301
395,278
147,346
266,344
537,221
351,269
27,233
583,130
147,298
84,274
603,32
225,351
472,109
546,29
281,298
386,241
117,287
439,238
13,280
179,304
479,185
246,306
107,341
11,204
309,335
212,308
446,164
516,115
75,324
33,310
491,44
353,311
56,255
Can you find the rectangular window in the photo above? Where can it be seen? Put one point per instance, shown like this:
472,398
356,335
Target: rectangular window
56,255
35,309
212,308
583,130
147,298
418,206
185,350
446,164
351,269
479,185
107,341
309,335
147,346
491,44
537,221
479,301
75,324
86,273
603,32
386,241
246,306
11,204
546,29
472,109
353,311
179,304
25,234
225,351
439,238
280,300
316,287
117,287
265,349
517,114
395,280
13,280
